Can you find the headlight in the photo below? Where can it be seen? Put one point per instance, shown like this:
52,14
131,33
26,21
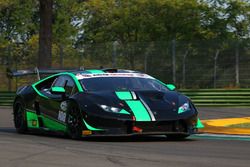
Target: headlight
110,109
185,107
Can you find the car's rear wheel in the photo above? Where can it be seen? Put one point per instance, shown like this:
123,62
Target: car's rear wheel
74,121
20,117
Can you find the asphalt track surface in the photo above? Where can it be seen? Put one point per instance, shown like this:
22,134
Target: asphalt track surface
41,151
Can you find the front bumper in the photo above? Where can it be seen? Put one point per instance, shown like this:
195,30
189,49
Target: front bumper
130,128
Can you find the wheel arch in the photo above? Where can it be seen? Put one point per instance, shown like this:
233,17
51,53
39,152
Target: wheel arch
72,102
17,105
75,101
20,98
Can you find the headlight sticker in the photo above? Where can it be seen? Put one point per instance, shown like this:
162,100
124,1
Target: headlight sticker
114,109
185,107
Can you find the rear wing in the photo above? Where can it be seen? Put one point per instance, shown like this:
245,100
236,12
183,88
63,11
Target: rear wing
36,71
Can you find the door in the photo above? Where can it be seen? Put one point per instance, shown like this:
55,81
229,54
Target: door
53,108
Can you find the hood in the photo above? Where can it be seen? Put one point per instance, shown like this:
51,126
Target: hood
165,105
146,105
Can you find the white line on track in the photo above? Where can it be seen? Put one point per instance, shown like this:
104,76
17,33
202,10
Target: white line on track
221,135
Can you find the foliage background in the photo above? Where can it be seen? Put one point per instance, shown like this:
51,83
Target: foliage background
142,35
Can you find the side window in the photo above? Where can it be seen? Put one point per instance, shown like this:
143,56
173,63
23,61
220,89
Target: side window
45,85
60,81
66,82
74,90
70,86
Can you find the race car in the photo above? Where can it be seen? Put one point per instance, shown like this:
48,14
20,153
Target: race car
106,102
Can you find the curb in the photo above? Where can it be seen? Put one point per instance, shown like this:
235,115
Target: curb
222,126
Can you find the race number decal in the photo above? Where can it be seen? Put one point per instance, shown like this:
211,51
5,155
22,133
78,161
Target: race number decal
63,106
62,116
62,111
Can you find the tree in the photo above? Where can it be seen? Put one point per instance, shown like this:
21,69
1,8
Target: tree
130,22
45,34
65,26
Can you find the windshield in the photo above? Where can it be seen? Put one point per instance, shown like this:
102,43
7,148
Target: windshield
121,83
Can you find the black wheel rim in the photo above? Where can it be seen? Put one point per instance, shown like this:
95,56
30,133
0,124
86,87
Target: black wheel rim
18,116
74,122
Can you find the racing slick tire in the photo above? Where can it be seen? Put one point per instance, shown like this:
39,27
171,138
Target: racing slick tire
74,121
20,120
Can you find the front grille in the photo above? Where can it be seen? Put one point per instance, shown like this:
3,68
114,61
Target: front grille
163,126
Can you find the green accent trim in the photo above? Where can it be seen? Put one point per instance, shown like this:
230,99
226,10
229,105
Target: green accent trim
38,82
37,91
58,89
52,124
199,124
124,112
90,127
169,86
31,118
96,71
78,85
140,112
124,95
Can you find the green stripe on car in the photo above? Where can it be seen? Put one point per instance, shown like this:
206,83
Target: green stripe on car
32,120
52,124
124,95
90,127
140,112
96,71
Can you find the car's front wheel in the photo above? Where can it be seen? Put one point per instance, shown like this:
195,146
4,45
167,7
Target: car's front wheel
74,121
20,117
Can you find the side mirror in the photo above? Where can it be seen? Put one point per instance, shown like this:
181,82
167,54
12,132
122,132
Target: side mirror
58,90
171,87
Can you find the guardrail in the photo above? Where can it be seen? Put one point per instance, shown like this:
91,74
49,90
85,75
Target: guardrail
6,98
200,97
219,97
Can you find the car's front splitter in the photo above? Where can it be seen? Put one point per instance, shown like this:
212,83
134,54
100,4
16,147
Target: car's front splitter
145,128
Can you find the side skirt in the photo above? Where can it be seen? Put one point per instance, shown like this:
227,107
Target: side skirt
44,123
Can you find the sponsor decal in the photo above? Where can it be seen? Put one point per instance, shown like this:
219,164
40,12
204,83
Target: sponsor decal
80,76
86,132
34,123
63,106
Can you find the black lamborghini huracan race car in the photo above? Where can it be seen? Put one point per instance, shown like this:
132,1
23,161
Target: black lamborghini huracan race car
104,102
